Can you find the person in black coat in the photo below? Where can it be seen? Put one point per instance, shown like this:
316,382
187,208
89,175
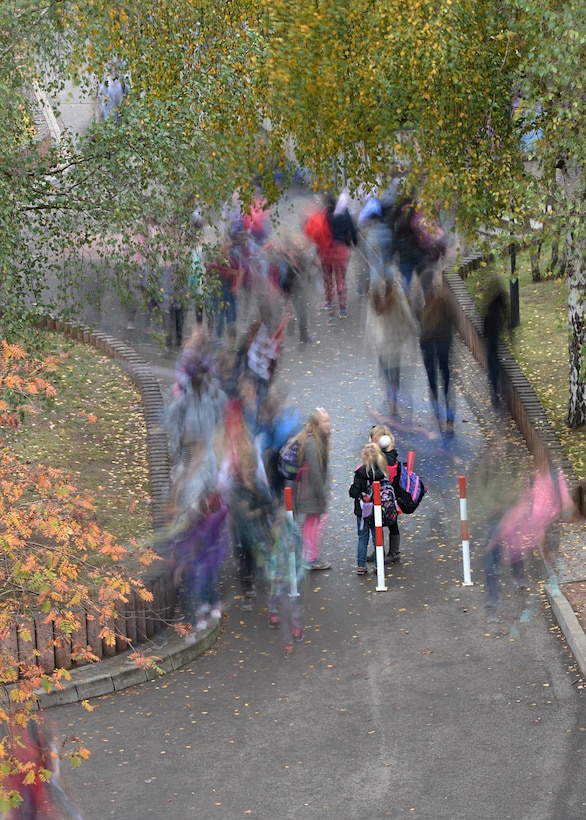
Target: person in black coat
496,319
405,245
373,468
381,435
438,321
335,256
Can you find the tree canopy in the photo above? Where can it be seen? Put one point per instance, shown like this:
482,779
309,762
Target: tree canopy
224,93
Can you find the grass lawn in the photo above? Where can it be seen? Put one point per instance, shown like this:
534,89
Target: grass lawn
95,431
540,345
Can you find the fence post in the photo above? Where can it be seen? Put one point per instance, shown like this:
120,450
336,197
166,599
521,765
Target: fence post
381,585
293,591
464,528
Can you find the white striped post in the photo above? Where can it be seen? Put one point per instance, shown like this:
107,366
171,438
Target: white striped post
293,591
378,534
464,528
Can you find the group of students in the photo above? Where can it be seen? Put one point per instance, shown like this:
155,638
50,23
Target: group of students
227,279
402,322
227,421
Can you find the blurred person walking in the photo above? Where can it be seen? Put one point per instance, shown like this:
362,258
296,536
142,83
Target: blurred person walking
32,769
334,233
392,331
288,266
285,607
198,547
251,509
223,267
496,317
374,222
193,414
312,486
438,321
405,246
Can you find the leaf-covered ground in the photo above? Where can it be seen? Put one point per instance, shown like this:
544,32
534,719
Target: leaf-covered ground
95,430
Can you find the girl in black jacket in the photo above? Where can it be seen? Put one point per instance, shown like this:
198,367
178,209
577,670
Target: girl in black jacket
373,468
381,435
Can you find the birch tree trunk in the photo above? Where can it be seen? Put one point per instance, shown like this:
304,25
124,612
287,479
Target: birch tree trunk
577,331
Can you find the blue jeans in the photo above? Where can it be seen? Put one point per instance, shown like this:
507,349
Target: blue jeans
493,560
225,309
365,530
406,269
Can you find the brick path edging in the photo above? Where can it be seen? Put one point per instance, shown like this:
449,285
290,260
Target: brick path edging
540,437
139,621
523,405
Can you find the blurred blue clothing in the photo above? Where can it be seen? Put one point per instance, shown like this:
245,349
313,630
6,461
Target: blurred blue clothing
285,425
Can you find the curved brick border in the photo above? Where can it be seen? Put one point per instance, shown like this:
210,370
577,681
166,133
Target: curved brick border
523,405
139,621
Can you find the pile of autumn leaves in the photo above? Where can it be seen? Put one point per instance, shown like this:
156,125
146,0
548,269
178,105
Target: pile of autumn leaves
58,569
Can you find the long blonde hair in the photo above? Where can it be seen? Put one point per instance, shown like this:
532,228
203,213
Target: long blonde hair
322,442
373,457
384,297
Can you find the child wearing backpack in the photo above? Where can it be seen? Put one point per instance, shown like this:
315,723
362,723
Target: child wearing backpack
381,435
373,468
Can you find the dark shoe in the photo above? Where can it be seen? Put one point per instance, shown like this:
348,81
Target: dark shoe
274,622
394,557
305,339
343,314
298,634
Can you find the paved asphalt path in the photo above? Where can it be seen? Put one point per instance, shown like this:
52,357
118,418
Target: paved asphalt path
403,703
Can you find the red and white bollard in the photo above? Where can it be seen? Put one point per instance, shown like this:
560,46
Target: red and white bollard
381,585
293,591
465,536
410,460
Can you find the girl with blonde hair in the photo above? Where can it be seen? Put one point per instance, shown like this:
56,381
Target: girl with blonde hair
313,485
373,468
382,436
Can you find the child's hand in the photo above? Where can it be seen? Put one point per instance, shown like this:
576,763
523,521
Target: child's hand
366,498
